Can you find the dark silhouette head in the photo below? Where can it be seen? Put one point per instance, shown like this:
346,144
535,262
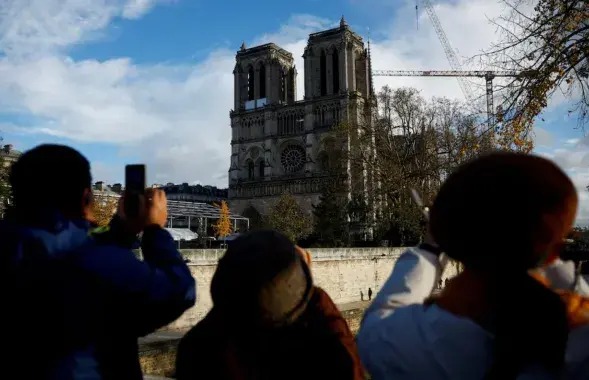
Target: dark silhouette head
262,280
52,177
501,215
504,211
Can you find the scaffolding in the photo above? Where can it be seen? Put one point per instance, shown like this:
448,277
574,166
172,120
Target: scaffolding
181,214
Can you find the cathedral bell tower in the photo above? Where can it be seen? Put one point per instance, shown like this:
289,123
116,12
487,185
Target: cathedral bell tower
263,75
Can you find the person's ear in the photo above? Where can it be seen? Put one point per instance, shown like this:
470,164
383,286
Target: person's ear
87,198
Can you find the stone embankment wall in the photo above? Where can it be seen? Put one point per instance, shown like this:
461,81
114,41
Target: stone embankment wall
342,272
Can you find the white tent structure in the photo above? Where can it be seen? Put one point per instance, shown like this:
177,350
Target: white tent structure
182,234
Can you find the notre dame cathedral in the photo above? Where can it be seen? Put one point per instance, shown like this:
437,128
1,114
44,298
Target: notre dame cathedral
279,143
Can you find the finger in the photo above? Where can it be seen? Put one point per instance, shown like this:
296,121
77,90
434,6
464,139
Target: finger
150,193
121,209
160,197
159,193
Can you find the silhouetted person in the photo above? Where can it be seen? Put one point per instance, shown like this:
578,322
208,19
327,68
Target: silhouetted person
369,294
75,300
361,295
268,320
500,215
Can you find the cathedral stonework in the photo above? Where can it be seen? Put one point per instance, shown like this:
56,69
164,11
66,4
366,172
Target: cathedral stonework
280,144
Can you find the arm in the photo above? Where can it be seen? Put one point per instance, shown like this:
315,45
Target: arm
116,234
144,295
414,276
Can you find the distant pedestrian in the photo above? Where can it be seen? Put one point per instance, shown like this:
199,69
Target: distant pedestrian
369,294
361,295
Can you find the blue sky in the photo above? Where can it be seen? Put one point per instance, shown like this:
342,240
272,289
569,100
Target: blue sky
150,81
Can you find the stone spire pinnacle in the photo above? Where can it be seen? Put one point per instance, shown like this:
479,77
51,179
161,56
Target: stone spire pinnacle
342,22
243,46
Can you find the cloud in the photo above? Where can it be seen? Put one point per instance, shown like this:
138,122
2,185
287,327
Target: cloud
135,9
175,117
543,138
32,28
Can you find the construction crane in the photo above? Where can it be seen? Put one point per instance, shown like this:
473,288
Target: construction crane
488,75
450,54
457,70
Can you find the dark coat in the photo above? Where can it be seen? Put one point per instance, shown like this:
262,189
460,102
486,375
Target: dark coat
319,345
75,303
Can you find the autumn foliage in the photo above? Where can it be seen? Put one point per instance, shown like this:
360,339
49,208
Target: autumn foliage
547,45
103,209
223,227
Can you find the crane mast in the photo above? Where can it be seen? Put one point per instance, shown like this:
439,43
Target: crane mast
450,54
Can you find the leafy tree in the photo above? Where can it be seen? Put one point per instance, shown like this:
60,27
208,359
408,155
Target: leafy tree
547,41
223,227
331,219
407,142
103,209
256,220
287,217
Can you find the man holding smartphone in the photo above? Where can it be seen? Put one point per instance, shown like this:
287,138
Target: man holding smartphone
76,301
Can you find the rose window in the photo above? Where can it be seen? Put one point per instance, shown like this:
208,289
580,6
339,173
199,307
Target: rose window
293,159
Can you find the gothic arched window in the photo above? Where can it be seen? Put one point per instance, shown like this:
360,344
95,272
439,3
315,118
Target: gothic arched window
250,170
262,75
323,162
261,167
335,70
282,84
323,73
250,83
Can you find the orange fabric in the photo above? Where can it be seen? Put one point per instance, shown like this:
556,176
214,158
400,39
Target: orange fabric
338,326
305,255
577,305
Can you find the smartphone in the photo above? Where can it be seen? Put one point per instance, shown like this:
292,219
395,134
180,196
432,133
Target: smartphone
134,188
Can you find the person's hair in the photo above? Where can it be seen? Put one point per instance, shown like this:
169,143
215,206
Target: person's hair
262,279
494,206
489,215
50,176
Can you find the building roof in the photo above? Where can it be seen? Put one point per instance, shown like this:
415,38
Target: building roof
185,188
198,210
105,191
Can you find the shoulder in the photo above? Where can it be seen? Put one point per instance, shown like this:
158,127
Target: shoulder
417,325
416,338
202,337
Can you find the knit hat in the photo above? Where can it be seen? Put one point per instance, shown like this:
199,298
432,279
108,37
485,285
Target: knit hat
261,280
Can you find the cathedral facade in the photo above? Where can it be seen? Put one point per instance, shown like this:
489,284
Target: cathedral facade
279,143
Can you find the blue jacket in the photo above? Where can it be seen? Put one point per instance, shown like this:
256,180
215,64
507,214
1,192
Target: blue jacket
75,302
